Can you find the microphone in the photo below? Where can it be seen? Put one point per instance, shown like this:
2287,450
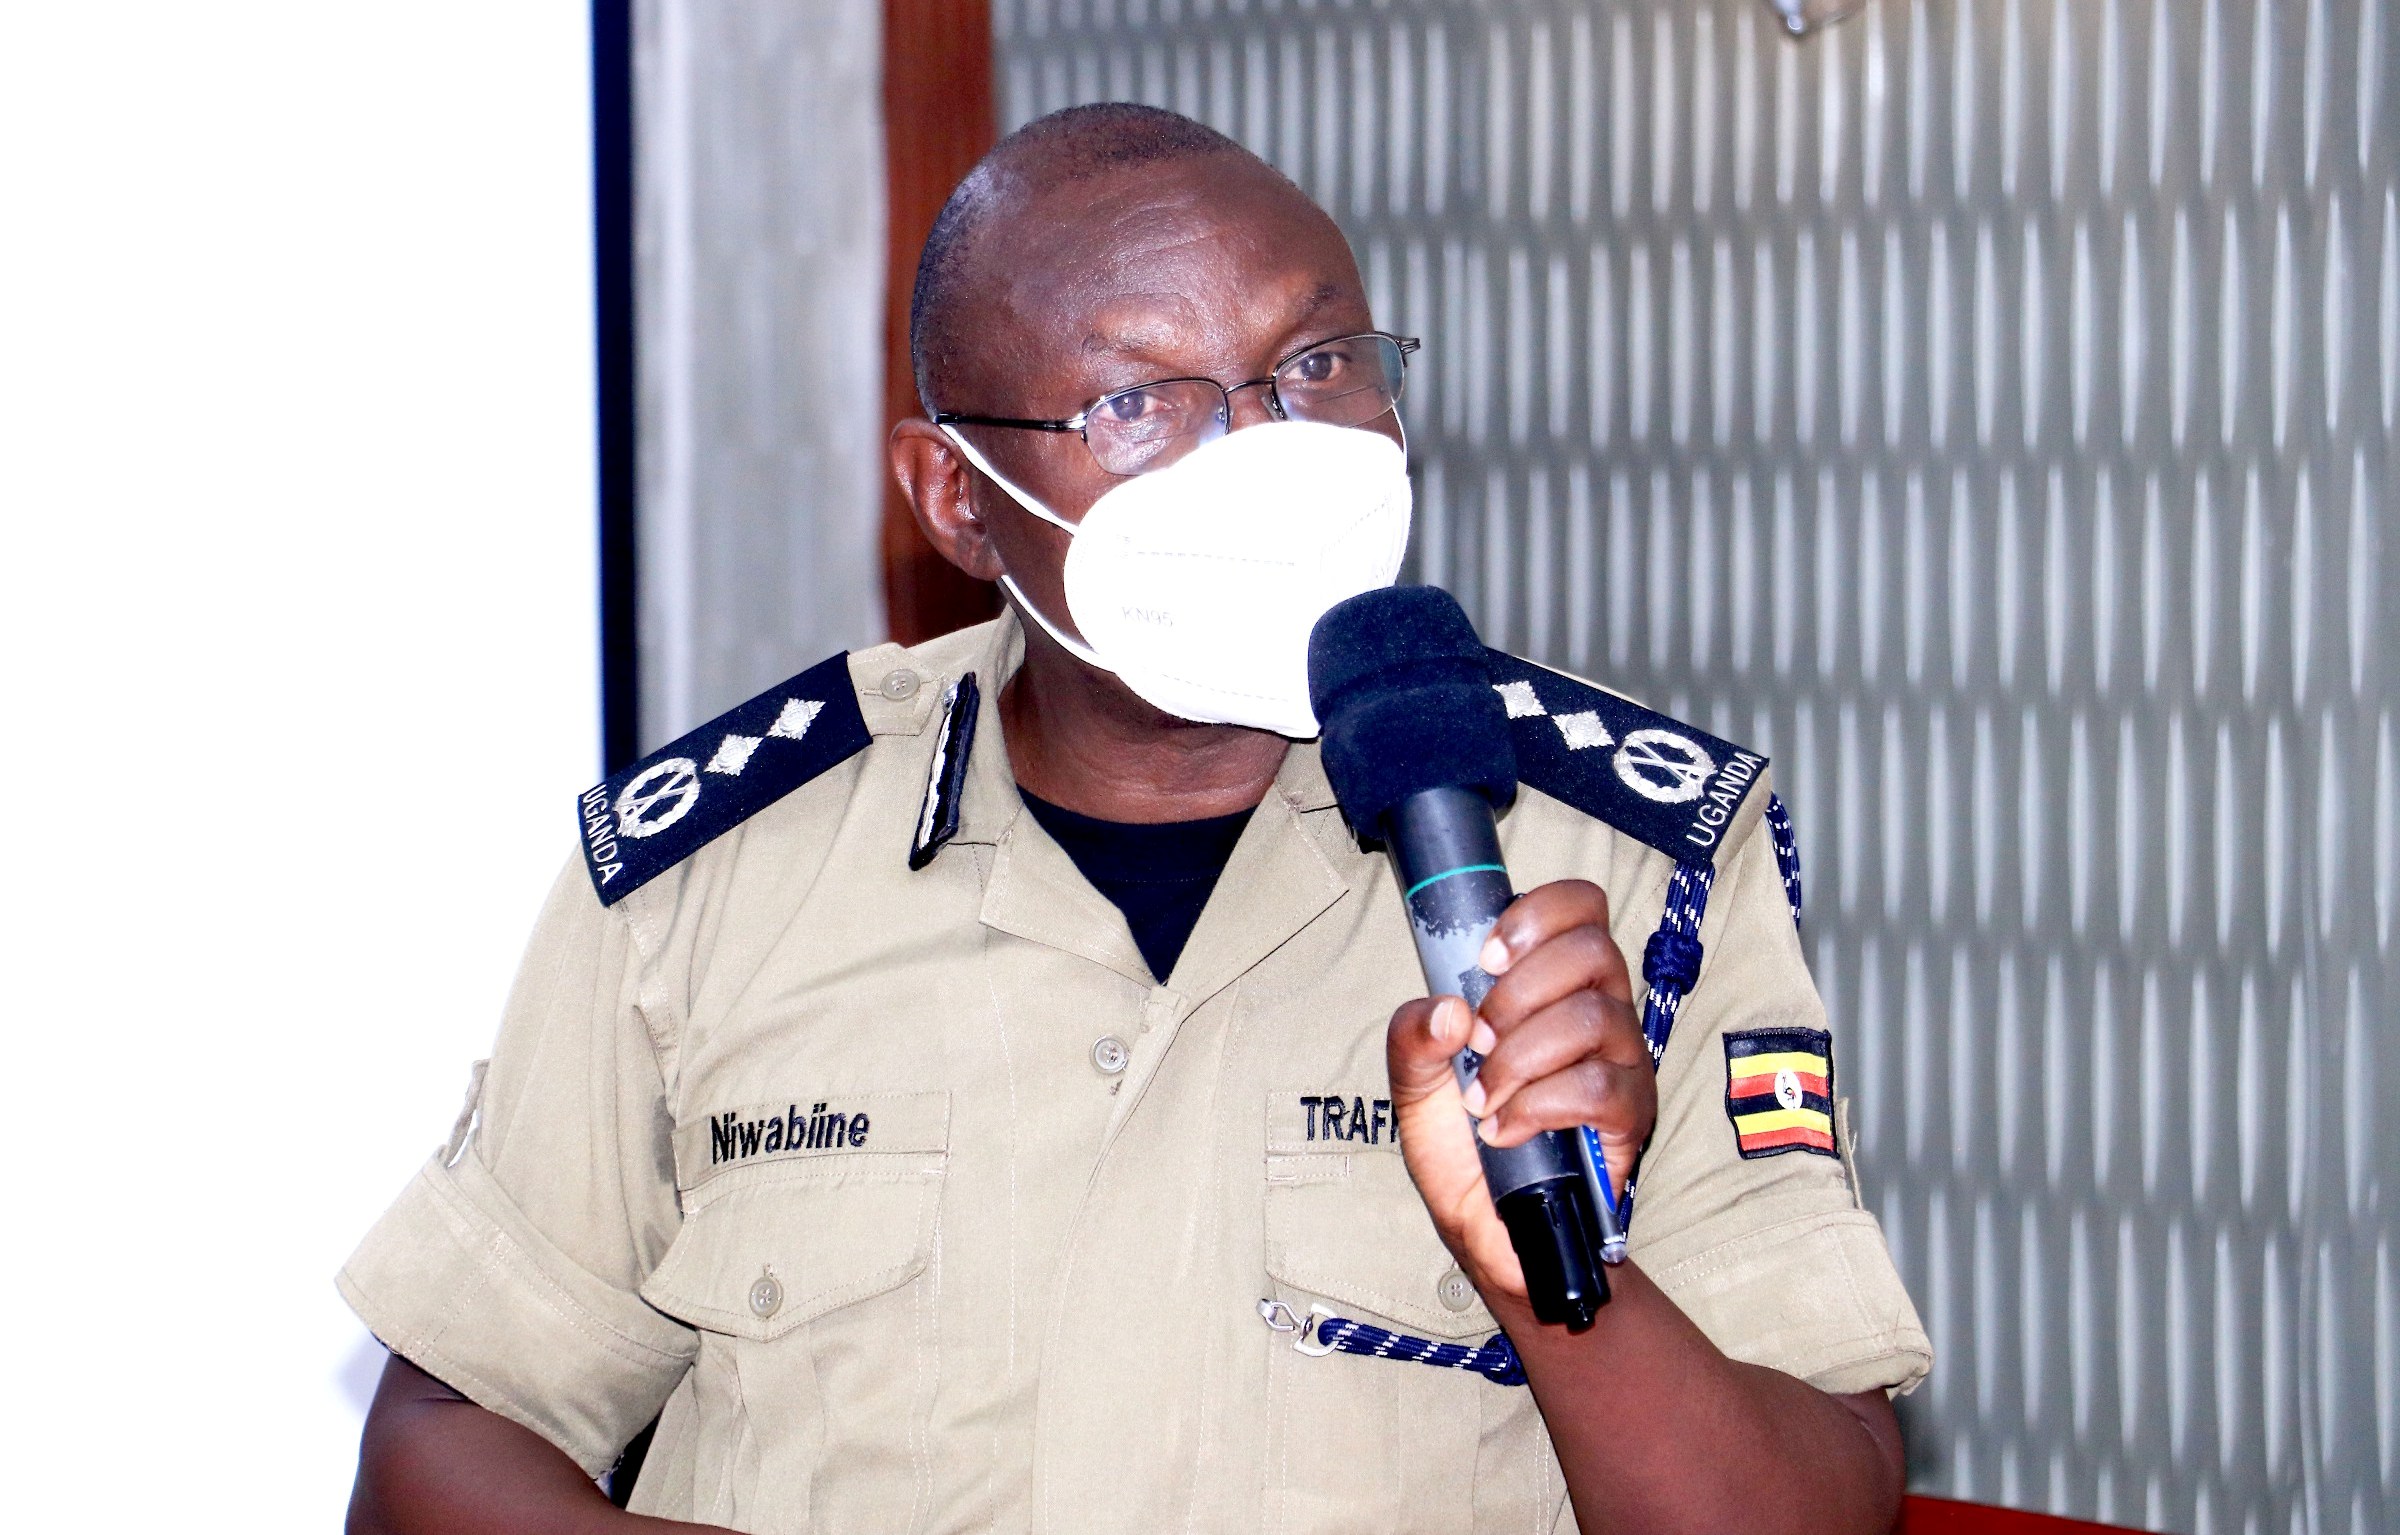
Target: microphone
1416,745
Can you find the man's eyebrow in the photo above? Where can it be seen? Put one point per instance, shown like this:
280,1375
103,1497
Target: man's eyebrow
1137,330
1325,293
1127,341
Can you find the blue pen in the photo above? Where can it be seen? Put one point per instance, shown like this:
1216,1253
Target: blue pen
1612,1223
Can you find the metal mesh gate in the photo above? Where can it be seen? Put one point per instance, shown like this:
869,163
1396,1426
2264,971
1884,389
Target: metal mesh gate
1984,408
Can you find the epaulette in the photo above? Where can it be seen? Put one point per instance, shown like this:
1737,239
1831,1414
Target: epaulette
1651,777
642,821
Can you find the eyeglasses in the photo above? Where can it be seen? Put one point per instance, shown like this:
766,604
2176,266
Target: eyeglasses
1348,381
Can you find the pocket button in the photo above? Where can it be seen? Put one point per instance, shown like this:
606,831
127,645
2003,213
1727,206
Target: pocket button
1456,1291
766,1295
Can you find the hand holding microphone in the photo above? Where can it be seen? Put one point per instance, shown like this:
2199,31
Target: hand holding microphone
1490,1103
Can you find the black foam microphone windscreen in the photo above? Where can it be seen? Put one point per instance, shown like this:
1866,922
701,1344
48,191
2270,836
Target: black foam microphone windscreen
1399,683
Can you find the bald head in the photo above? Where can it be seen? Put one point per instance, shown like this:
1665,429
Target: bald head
1009,205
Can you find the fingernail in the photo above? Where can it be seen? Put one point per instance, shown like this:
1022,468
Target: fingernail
1474,1098
1449,1021
1481,1039
1483,1131
1494,958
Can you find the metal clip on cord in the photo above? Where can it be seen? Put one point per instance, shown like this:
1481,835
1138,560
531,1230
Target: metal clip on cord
1321,1333
1282,1318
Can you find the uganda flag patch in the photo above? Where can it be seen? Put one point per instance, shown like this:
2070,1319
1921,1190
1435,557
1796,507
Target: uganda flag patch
1779,1091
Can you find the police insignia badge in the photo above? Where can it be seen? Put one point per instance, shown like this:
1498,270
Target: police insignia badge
1657,779
946,779
1779,1091
643,820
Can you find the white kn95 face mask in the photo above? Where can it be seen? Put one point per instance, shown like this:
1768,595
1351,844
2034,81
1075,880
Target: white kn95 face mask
1198,584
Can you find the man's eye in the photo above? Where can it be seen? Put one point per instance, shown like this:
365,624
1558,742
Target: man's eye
1318,367
1132,405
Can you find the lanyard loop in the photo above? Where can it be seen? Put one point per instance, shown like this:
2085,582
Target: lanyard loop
1321,1333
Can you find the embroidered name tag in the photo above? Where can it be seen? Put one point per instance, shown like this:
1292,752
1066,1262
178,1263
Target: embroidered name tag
1298,1123
1779,1091
811,1127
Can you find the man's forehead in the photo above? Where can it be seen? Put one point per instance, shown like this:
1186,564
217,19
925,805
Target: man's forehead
1169,227
1142,264
1096,282
1150,321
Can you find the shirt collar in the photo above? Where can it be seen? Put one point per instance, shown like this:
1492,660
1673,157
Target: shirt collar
1283,879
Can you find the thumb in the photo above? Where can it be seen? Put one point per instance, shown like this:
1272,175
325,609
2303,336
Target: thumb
1438,1140
1425,1034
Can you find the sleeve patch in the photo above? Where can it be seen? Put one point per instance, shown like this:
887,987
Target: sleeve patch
1779,1091
1658,780
642,821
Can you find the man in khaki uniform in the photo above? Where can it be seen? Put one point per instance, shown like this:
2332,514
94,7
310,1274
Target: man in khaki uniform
839,1123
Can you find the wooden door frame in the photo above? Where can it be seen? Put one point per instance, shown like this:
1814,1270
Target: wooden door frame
938,119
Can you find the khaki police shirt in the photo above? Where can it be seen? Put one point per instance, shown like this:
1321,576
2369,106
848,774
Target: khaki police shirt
916,1203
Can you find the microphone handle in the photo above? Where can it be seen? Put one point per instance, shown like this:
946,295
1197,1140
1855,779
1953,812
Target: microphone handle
1447,853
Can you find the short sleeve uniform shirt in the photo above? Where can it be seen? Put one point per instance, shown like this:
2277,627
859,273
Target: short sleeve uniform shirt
907,1199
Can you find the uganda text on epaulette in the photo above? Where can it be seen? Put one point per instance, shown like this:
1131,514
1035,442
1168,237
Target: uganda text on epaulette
1654,778
642,821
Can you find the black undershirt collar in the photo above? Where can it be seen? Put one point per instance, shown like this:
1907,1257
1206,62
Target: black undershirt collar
1159,874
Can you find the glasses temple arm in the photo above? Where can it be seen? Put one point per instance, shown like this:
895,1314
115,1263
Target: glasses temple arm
956,418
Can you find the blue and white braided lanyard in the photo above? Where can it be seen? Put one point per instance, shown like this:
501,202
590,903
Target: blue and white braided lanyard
1671,965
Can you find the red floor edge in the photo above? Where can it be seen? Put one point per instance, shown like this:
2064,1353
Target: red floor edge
1940,1516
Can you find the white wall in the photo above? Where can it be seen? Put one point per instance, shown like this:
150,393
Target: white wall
759,201
297,683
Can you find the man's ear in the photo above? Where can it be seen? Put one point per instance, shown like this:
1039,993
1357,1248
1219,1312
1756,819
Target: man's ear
935,477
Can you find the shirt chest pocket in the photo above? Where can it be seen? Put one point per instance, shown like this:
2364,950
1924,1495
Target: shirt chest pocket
801,1273
1425,1448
